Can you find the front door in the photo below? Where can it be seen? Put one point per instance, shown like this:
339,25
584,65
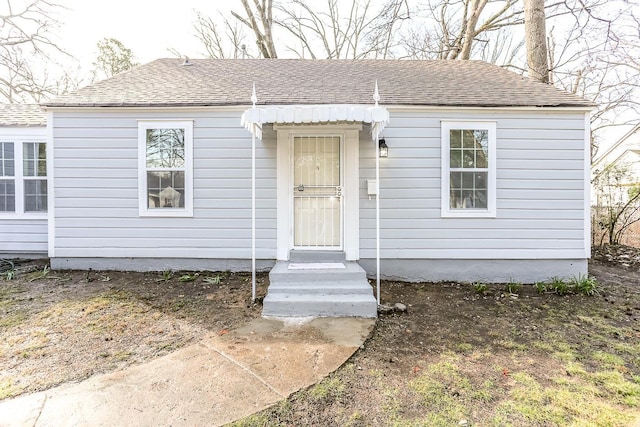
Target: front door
317,192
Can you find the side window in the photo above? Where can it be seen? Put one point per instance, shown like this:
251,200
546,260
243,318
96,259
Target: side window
34,171
7,177
468,169
165,168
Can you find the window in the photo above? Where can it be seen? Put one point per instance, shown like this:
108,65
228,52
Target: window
165,168
7,177
34,169
23,177
468,165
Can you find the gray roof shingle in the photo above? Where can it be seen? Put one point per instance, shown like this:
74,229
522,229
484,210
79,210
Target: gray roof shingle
215,82
22,115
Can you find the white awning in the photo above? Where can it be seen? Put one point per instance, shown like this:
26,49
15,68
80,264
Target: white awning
255,117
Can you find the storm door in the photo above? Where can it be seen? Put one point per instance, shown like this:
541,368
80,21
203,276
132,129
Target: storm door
317,192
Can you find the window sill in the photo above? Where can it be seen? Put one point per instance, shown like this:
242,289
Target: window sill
166,213
28,215
468,214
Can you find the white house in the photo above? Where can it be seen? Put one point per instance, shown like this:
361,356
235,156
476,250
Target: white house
624,154
487,174
23,181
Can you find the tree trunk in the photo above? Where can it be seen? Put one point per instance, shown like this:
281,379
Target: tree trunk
536,40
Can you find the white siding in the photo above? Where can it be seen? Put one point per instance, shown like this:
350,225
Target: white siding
540,190
96,194
23,236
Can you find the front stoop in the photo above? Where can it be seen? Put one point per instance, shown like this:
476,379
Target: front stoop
319,292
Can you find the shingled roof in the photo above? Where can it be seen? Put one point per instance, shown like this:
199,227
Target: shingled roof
217,82
22,115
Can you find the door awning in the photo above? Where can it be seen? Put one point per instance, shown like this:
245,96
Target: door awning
255,117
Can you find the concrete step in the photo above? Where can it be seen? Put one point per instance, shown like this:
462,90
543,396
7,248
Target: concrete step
316,256
319,292
338,287
286,305
282,273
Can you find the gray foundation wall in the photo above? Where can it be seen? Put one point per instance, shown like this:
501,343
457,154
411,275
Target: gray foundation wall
474,270
408,270
158,264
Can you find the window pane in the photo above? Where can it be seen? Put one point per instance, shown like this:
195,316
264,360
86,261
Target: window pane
7,196
165,148
28,155
481,159
468,138
471,148
42,159
35,195
455,138
455,159
35,159
165,189
467,159
7,166
468,190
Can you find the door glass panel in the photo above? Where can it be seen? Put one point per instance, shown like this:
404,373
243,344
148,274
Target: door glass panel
317,192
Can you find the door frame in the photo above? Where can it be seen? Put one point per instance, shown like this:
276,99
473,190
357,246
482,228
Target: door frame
350,140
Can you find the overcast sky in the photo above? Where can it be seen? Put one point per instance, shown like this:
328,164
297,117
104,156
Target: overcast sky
148,27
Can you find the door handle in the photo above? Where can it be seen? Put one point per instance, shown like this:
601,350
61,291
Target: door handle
300,187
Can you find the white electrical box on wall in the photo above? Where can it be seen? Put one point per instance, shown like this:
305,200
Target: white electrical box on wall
372,187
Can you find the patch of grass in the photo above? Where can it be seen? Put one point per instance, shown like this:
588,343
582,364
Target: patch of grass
463,347
510,344
212,280
328,390
608,360
541,287
8,388
442,390
276,416
566,402
480,288
585,285
188,277
13,319
166,276
9,274
37,275
559,286
512,287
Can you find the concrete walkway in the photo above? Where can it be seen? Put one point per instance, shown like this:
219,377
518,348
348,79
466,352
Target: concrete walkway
216,381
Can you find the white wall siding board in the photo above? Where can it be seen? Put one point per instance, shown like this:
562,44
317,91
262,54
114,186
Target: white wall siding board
540,189
23,236
97,189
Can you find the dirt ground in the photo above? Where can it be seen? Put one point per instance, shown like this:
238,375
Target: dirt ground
456,357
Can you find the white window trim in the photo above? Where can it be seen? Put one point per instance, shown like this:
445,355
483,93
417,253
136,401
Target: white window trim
143,125
19,178
446,211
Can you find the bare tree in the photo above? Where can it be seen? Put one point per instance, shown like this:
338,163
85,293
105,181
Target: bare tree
228,42
338,30
260,22
593,45
536,39
25,40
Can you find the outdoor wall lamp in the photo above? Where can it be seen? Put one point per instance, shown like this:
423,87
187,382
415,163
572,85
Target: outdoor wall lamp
382,147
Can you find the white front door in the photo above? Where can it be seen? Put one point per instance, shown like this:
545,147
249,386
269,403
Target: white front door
317,192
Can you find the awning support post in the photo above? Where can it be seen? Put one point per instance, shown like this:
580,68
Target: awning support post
376,98
254,99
